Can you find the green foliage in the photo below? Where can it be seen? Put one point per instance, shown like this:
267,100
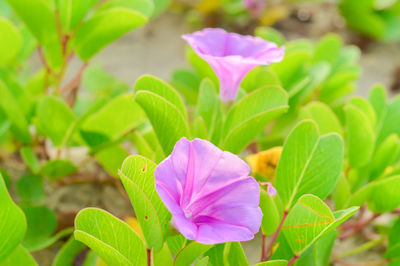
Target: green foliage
137,176
250,116
56,169
118,244
309,219
165,110
309,163
190,253
12,224
12,43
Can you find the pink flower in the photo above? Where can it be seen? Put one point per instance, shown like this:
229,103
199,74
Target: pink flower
256,7
232,56
209,192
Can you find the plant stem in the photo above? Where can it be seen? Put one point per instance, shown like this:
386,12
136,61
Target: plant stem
357,227
268,250
263,238
293,259
148,257
362,248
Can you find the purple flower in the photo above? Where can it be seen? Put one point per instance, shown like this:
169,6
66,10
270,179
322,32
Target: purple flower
232,56
209,192
271,190
256,7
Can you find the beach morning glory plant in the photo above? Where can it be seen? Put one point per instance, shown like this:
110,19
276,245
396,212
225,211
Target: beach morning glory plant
209,192
232,56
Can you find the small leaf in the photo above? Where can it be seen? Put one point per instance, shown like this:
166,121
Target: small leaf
176,243
56,169
42,223
387,126
162,106
163,257
72,12
68,252
234,254
381,195
360,136
384,156
325,118
113,240
52,111
19,124
394,241
251,115
30,188
137,176
111,158
328,49
12,223
11,45
104,28
30,159
190,253
309,164
209,109
310,219
20,256
272,214
377,99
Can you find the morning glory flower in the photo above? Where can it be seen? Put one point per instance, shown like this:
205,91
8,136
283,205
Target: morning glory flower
209,192
232,56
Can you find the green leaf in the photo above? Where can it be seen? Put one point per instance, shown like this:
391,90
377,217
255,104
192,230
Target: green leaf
328,49
12,223
384,156
68,253
325,118
341,193
272,214
144,7
150,83
270,34
210,110
111,158
164,109
55,119
202,67
30,188
234,254
387,127
42,223
310,219
377,99
10,106
40,18
365,107
104,28
190,253
113,240
216,254
11,42
20,256
137,176
160,6
187,83
203,261
103,121
259,77
176,243
394,241
30,159
309,163
381,195
163,257
250,115
55,169
72,12
360,136
272,263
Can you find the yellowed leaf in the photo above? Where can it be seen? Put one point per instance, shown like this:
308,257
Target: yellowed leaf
134,224
264,163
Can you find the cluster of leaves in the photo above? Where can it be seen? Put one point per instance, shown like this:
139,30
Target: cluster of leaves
335,147
43,119
376,19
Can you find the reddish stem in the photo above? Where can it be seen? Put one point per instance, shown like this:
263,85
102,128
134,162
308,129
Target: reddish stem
293,259
148,257
263,238
354,228
268,250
